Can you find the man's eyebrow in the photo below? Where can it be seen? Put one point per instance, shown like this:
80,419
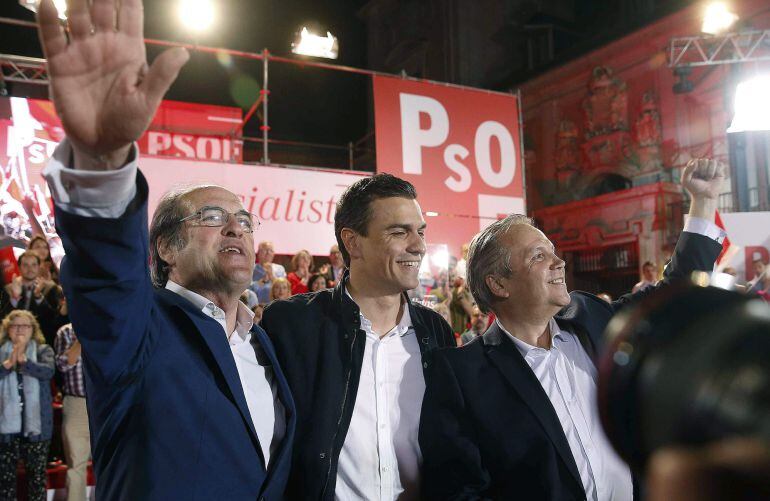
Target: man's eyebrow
405,226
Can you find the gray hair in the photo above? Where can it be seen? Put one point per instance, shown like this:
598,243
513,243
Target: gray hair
487,256
165,229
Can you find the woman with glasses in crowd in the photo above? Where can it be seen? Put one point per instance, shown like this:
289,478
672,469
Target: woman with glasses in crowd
26,415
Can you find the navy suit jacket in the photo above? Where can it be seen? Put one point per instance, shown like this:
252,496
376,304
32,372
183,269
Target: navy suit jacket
488,429
167,411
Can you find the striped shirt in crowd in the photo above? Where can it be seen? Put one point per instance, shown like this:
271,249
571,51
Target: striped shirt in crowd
73,374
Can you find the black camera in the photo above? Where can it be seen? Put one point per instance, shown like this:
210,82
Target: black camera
686,366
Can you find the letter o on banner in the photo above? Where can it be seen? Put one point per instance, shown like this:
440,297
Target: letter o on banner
482,147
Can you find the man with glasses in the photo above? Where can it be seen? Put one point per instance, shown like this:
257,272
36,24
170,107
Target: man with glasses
185,397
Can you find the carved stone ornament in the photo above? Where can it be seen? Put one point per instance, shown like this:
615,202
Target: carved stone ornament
605,105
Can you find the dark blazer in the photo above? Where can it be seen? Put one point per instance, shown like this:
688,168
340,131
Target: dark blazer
320,346
488,429
166,408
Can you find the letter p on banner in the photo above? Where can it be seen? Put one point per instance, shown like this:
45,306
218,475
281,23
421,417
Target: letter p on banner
459,147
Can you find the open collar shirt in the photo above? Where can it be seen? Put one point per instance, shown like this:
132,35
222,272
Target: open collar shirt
380,458
568,377
257,379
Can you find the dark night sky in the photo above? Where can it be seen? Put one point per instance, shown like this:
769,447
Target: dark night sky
305,104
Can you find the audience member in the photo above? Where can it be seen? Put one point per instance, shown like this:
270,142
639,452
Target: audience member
26,413
265,271
258,309
75,436
479,323
460,306
462,264
317,282
649,277
32,293
761,280
302,264
281,289
48,269
336,267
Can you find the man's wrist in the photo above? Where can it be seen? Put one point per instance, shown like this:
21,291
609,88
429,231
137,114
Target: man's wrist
109,161
704,208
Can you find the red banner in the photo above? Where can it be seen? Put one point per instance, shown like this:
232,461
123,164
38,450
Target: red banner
296,206
461,148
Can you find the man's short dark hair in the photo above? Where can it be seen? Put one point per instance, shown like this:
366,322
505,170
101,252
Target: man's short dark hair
353,208
648,263
28,254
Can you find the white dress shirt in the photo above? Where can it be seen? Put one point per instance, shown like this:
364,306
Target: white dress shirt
257,380
568,377
380,458
107,194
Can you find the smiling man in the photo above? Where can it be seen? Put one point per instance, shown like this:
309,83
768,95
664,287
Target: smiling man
513,415
356,355
185,397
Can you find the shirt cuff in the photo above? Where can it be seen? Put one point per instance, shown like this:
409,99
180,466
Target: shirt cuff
704,227
90,193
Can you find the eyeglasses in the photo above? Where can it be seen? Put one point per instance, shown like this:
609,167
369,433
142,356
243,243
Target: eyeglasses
20,327
217,216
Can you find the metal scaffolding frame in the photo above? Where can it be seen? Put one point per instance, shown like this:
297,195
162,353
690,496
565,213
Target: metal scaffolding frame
22,69
729,48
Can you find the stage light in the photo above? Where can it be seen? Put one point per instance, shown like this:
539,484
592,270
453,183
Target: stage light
197,15
752,105
430,213
717,18
308,44
61,6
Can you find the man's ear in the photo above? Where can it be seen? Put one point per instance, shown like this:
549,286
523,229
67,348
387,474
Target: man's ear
352,242
497,288
166,253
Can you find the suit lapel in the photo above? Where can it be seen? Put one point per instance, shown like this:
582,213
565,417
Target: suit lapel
504,355
284,394
212,335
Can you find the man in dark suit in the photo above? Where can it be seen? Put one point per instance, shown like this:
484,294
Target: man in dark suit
513,415
30,292
185,397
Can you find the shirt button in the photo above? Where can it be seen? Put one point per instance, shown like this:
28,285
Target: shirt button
382,425
385,468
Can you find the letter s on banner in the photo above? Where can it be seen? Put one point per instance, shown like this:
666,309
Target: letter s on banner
413,138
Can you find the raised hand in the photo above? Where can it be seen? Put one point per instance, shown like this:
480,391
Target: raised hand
703,179
103,89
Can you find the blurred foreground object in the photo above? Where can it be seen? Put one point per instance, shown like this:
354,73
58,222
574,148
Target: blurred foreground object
685,379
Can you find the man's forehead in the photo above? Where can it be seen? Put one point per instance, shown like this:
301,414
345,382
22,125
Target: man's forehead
526,237
215,195
392,211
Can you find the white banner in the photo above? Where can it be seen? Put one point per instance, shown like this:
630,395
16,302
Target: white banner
295,206
751,232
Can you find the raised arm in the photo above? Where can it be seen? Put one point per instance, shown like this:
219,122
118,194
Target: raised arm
101,85
106,95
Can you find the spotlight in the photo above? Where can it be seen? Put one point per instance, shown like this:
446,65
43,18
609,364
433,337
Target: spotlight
683,86
752,105
197,15
717,18
309,44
